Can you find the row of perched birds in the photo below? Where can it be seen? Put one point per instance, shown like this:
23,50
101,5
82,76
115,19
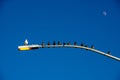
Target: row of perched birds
68,43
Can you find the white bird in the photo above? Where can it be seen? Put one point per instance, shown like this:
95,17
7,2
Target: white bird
26,42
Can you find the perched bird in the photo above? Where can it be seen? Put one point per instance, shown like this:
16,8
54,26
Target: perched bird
92,46
82,44
48,44
75,43
108,52
86,46
64,43
68,43
54,43
42,44
26,42
59,43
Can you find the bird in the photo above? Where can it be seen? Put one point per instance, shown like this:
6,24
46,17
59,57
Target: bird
64,43
75,43
86,46
48,44
92,46
108,52
59,43
26,42
68,43
82,44
54,43
42,44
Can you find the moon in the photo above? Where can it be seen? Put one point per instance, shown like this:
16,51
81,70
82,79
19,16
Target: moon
104,13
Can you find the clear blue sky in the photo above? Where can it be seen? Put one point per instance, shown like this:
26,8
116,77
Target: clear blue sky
59,20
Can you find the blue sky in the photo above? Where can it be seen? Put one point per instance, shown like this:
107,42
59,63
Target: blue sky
60,20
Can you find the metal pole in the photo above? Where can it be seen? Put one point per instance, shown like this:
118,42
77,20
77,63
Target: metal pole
82,47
